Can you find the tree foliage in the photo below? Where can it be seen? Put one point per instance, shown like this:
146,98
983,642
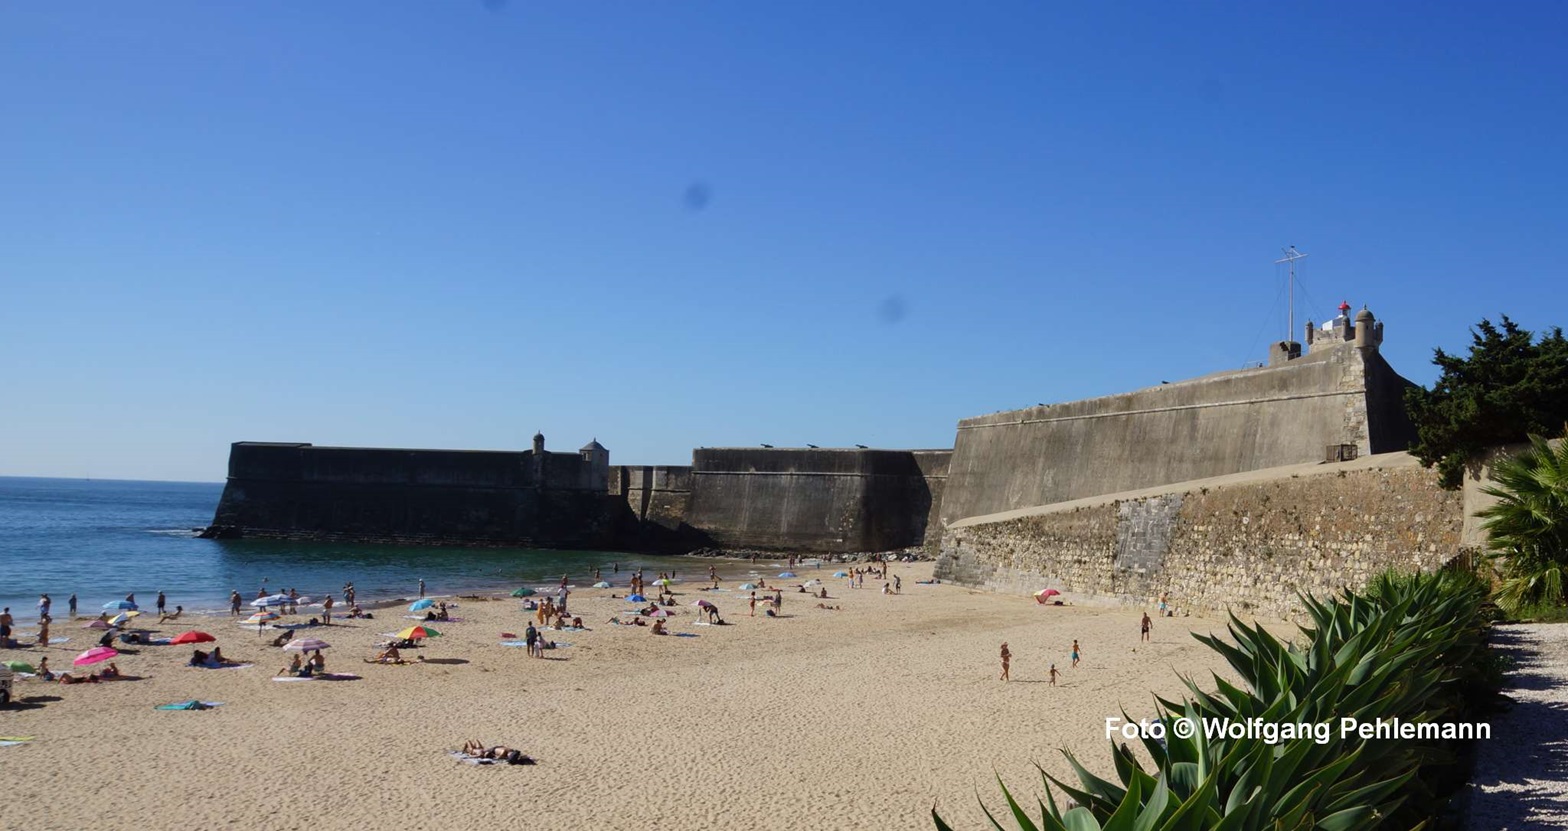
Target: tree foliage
1527,528
1509,388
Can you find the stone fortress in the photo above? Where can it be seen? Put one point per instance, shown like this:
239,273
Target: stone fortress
1238,488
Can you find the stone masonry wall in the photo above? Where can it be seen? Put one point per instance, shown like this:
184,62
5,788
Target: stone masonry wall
1246,546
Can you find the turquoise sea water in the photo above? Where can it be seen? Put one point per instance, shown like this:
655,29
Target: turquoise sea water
103,539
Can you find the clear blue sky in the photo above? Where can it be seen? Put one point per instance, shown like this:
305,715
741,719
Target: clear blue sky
665,225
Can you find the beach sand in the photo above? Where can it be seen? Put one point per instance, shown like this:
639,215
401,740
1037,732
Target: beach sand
859,718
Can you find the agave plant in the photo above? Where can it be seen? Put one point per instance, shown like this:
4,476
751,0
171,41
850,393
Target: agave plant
1406,647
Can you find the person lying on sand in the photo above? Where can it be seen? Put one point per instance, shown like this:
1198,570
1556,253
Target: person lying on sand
475,749
826,606
67,678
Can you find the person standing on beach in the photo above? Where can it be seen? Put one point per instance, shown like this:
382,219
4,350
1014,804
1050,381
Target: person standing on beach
1076,652
43,631
162,602
531,637
72,606
421,587
1054,673
753,603
234,603
326,610
5,627
1007,659
1145,626
43,606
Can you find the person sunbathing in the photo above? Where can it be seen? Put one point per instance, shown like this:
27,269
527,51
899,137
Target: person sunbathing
198,658
67,678
294,666
826,606
111,672
658,627
475,749
388,656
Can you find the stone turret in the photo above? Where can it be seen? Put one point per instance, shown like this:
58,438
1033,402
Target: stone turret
597,463
1368,331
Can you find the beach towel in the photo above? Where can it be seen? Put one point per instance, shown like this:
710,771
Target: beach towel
331,676
193,704
59,640
161,641
227,666
11,741
558,644
685,634
472,760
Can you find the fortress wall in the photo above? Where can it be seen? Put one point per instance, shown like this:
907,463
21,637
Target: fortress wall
1247,543
819,500
1219,424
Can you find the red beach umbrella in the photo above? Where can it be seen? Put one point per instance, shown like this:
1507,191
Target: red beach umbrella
192,637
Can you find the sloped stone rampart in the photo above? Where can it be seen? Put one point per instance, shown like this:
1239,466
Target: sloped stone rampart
1247,546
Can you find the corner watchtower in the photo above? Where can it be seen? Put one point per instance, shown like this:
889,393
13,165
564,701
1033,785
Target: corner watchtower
596,463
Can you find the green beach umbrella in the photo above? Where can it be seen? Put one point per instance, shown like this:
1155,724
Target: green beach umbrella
20,666
524,592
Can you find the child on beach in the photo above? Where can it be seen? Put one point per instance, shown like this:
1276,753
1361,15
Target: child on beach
1054,673
1007,658
1076,652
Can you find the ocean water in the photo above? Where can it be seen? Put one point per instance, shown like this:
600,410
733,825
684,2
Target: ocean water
104,539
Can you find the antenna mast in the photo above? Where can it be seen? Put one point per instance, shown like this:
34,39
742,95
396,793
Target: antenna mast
1291,256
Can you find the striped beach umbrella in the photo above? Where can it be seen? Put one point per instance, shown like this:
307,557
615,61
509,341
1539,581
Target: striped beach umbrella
306,645
414,633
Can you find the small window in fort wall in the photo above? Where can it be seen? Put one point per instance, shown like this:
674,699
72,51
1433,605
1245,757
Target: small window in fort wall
1340,453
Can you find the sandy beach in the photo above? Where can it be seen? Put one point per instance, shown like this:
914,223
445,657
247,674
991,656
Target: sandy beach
857,718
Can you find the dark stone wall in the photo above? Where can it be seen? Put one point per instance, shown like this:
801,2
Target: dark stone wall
656,500
818,500
439,496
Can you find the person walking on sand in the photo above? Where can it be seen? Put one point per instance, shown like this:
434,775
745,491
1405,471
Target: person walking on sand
162,602
753,603
234,603
421,587
1007,659
1145,626
1054,673
1076,652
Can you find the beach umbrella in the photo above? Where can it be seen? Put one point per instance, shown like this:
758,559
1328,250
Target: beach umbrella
636,598
306,645
261,617
192,637
123,617
809,583
187,705
524,592
19,666
1043,595
701,604
420,605
786,574
118,604
271,600
840,574
658,613
94,655
662,581
746,587
601,585
414,633
96,624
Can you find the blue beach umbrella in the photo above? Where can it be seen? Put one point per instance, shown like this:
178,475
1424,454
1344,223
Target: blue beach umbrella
786,574
601,585
419,605
746,587
270,600
119,604
636,598
840,574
